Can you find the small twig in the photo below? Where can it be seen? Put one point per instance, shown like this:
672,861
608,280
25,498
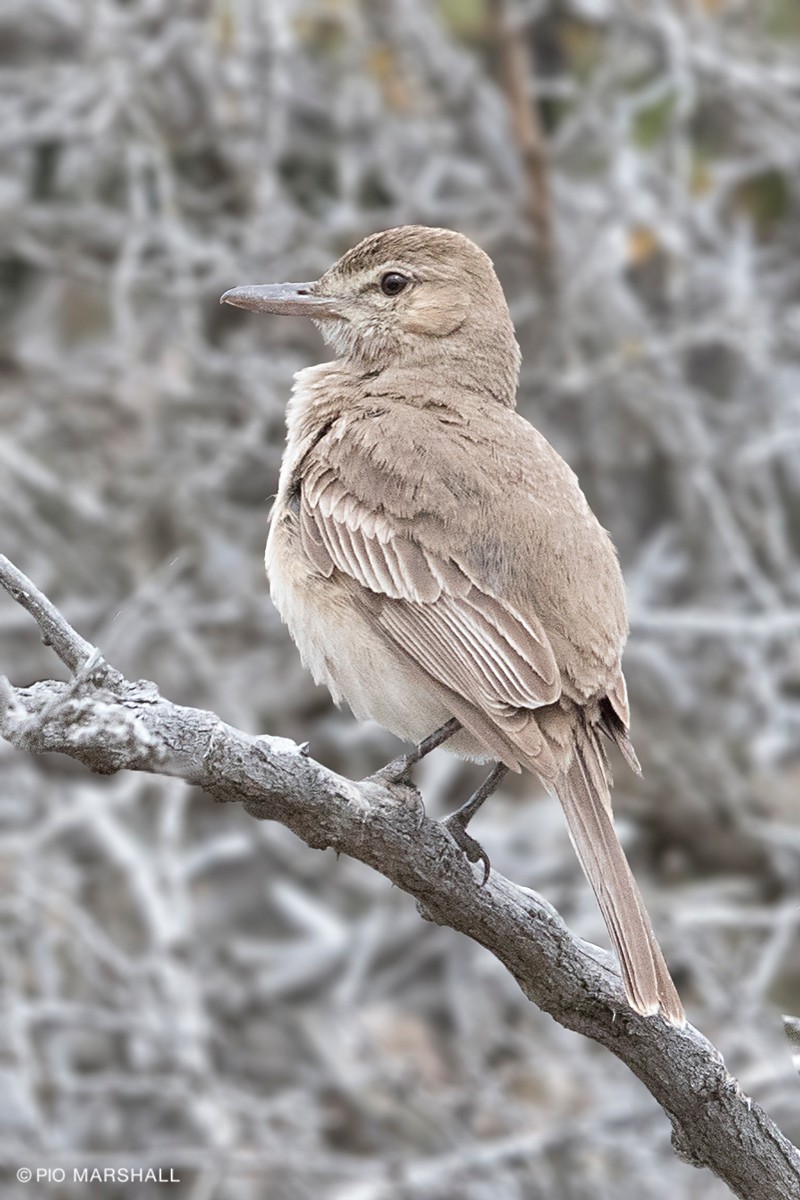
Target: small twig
73,650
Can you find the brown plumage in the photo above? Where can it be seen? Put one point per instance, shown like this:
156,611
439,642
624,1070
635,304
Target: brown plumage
434,557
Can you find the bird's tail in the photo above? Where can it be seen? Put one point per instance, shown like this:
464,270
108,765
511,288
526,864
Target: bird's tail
584,794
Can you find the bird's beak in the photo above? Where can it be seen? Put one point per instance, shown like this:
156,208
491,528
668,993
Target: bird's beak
288,299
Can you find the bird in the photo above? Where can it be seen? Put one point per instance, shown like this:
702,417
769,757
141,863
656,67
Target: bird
436,561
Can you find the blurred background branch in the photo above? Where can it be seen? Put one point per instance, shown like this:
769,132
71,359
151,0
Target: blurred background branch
517,74
186,983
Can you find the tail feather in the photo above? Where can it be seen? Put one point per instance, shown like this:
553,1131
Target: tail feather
583,792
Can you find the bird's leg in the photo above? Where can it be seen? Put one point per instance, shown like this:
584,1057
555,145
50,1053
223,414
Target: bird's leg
397,770
456,823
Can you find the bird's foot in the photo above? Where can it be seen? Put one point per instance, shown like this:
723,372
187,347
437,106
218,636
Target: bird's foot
473,851
399,769
396,771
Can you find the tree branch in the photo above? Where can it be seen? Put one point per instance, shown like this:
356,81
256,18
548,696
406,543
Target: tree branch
110,723
73,650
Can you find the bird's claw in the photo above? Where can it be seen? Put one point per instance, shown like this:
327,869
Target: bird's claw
472,850
398,774
396,771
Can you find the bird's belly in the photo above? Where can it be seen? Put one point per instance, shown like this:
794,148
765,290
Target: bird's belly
343,651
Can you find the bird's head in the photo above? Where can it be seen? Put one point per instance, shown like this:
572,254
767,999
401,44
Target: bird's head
408,297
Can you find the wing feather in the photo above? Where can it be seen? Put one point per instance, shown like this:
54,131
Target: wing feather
313,542
462,635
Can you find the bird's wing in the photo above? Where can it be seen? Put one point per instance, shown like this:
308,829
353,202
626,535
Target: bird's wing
473,643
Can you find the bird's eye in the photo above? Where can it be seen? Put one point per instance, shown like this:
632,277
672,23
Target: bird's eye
393,283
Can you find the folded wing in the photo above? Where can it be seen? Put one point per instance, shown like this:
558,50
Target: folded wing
473,643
